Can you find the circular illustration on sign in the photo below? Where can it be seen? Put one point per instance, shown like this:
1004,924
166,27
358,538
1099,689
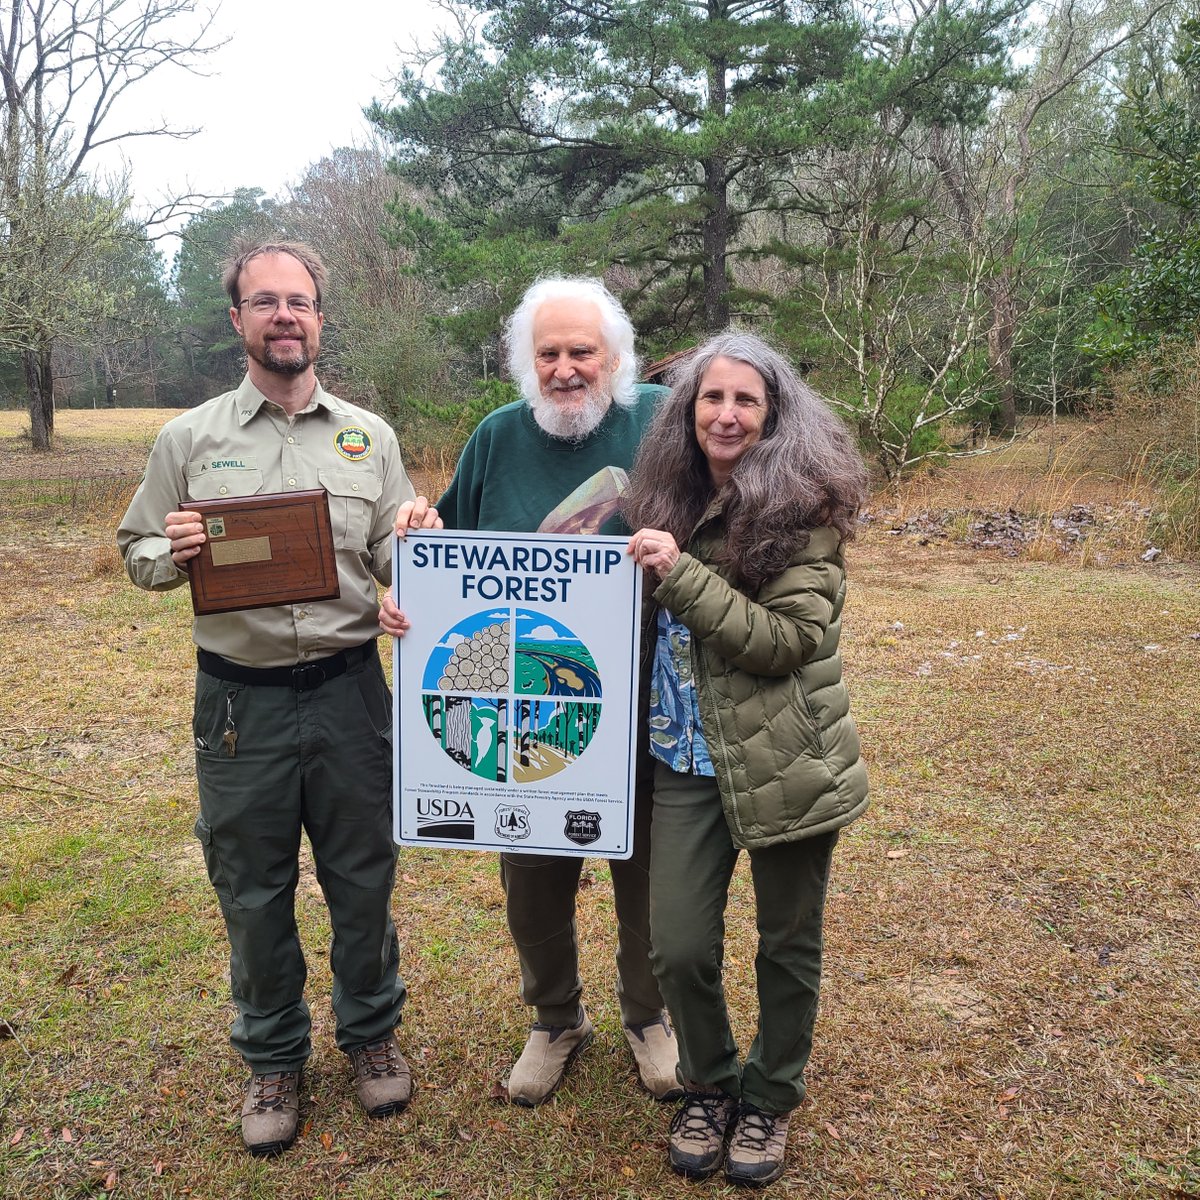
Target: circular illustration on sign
512,695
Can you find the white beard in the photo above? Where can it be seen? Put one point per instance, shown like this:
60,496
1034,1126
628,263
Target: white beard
570,424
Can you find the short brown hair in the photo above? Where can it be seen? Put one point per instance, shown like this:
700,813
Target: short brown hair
245,249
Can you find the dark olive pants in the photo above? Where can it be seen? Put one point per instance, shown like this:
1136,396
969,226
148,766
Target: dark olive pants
318,761
691,863
541,891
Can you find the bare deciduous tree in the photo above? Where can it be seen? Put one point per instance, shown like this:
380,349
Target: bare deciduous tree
63,66
1079,34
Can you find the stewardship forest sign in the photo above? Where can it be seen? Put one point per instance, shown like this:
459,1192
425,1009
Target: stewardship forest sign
516,692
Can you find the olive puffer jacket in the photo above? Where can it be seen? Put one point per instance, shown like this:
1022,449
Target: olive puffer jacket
775,711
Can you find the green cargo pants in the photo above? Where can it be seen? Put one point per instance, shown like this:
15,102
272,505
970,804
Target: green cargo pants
691,863
540,892
319,761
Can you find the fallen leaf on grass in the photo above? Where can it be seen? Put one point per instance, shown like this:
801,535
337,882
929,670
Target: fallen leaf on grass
158,1166
67,1135
832,1130
1007,1094
327,1140
897,854
499,1093
464,1135
408,878
110,1181
68,975
16,1137
343,1159
306,1129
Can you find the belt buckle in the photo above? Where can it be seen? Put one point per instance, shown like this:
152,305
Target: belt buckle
308,677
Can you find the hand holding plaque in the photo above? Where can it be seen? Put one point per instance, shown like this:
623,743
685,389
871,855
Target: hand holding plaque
263,550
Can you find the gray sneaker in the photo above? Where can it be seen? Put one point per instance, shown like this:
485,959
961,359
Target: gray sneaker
550,1050
657,1055
271,1113
381,1077
757,1147
697,1140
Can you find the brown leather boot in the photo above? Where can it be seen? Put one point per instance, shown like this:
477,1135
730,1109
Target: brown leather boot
382,1078
271,1113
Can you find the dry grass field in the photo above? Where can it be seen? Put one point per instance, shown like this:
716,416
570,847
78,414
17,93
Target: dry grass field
1011,1008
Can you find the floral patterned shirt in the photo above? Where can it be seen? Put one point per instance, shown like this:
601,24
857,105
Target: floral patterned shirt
676,735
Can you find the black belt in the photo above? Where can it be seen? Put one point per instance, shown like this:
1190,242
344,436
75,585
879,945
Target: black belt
303,677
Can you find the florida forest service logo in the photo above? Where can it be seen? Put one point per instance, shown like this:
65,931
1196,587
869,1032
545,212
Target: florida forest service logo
352,443
582,827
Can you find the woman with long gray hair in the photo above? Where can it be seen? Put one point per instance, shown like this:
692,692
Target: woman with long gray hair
744,491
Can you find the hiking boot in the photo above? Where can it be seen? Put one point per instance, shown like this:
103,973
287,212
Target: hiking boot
271,1113
698,1128
548,1053
757,1147
657,1056
381,1077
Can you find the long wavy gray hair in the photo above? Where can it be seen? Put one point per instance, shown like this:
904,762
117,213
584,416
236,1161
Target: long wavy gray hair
803,473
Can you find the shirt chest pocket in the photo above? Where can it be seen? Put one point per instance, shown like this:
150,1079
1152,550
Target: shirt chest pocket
206,482
352,499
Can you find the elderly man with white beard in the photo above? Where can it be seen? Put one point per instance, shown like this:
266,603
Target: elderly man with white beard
555,462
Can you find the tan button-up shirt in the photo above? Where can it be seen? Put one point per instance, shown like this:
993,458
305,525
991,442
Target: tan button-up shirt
240,444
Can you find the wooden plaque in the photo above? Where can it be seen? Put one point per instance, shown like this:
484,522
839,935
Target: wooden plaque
264,550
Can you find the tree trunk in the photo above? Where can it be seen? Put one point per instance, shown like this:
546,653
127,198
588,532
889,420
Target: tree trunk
1000,341
39,386
716,245
716,220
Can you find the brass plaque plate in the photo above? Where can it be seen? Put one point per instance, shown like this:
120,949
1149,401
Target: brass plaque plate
260,551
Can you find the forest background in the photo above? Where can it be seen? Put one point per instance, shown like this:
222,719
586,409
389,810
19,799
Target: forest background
953,215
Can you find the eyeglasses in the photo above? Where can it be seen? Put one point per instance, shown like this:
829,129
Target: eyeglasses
263,304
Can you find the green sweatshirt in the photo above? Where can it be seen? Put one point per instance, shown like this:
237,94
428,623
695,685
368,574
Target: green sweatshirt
514,477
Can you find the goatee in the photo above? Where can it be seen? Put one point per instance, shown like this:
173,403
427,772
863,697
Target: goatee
295,364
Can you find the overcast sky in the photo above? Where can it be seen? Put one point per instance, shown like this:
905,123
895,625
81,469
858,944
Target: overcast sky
289,86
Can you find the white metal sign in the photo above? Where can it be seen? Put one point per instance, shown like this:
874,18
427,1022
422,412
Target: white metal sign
516,692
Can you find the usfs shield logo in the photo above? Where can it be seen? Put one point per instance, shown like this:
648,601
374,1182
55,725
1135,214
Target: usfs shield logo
512,822
582,827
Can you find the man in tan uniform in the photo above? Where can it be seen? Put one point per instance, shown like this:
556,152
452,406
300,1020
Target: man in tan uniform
292,718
